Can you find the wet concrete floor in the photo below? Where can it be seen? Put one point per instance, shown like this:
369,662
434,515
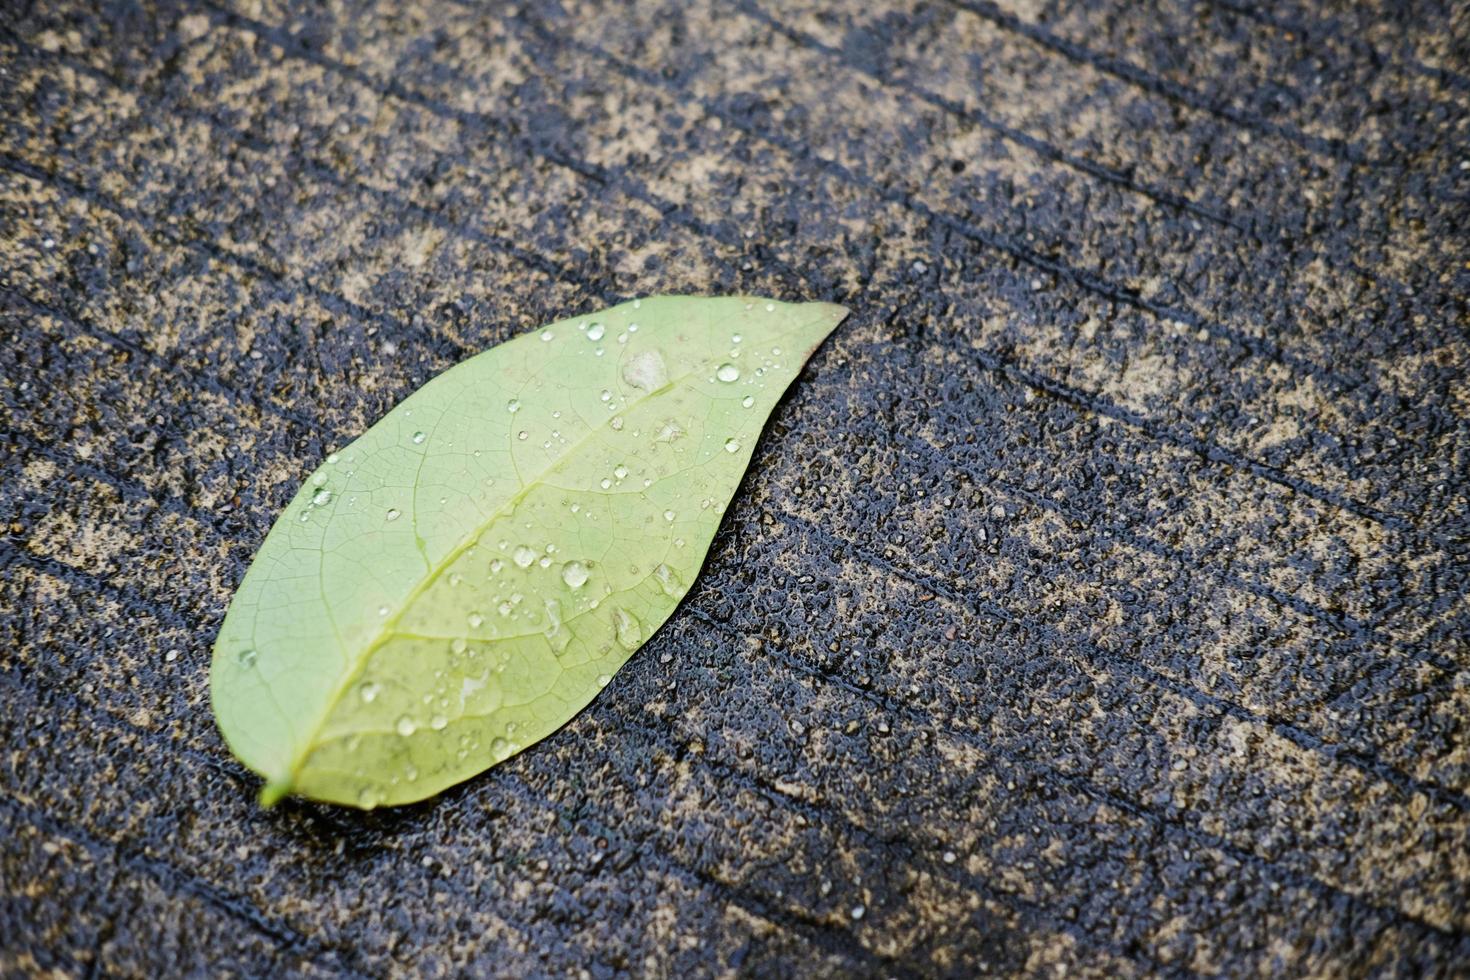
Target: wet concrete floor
1096,604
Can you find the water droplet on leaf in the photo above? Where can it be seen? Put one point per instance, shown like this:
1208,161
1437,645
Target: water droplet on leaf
629,630
574,574
646,371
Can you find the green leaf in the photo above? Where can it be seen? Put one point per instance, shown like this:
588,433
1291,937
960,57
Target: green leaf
462,579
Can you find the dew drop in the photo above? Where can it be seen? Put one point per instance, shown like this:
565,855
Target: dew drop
318,479
620,472
524,556
438,722
629,630
728,373
392,513
669,516
382,610
495,566
646,371
732,446
247,658
574,574
617,423
332,459
603,680
747,401
770,307
475,620
368,691
556,635
410,772
513,406
321,497
596,331
606,484
458,645
735,338
668,580
500,748
521,435
368,798
406,726
547,335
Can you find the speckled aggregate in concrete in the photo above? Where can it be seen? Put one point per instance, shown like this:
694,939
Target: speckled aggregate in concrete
1096,604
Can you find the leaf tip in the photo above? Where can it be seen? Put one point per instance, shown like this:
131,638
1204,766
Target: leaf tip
273,792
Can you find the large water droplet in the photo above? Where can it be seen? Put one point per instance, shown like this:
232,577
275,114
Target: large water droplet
747,401
321,497
406,726
368,691
646,370
669,516
732,446
418,438
438,722
629,630
596,331
393,513
513,406
574,574
458,645
475,620
556,634
620,471
617,423
524,556
728,373
668,580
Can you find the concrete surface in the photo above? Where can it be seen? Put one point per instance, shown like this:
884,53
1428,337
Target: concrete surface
1095,605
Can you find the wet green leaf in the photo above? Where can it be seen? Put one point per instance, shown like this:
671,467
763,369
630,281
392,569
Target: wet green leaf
461,580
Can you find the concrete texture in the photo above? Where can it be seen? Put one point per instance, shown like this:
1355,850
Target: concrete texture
1096,604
